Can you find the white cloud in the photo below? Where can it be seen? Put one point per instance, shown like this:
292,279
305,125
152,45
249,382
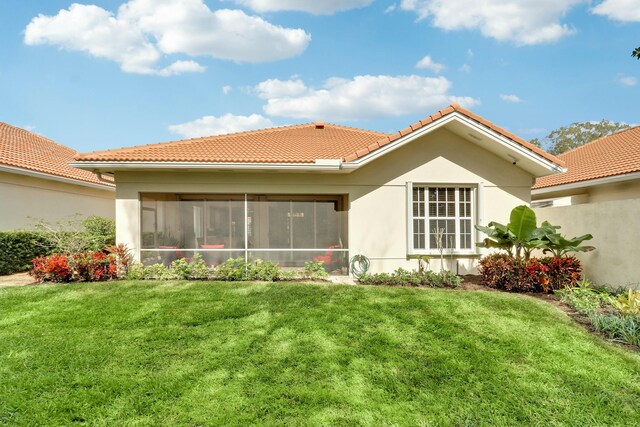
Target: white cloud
363,97
627,80
226,89
514,99
465,68
525,22
391,8
619,10
143,32
316,7
220,125
180,67
427,63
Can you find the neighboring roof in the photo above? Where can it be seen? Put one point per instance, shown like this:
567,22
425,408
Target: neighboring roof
616,154
300,144
25,150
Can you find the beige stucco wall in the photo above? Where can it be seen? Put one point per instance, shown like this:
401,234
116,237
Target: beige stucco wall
596,193
616,230
377,192
22,197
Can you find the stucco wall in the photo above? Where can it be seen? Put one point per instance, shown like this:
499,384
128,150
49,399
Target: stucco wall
597,193
22,197
615,229
377,192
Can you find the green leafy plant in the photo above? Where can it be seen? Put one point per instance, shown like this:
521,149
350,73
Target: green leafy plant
77,235
123,257
264,271
521,236
314,270
625,329
402,277
18,248
628,303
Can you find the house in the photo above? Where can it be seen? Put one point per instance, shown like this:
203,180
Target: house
322,191
599,194
37,182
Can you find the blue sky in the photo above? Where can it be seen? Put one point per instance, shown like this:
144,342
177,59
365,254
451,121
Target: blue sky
106,74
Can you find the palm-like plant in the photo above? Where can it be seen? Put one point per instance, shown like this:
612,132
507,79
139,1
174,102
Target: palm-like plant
636,53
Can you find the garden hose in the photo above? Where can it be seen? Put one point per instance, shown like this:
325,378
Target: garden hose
359,265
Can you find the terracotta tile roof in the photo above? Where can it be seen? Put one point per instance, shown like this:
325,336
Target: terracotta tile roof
290,144
616,154
22,149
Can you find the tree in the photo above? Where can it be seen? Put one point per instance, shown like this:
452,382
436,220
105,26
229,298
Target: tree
566,138
636,53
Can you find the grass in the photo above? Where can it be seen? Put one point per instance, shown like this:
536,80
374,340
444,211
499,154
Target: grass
196,353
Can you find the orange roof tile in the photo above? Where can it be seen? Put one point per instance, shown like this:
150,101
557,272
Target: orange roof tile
289,144
22,149
612,155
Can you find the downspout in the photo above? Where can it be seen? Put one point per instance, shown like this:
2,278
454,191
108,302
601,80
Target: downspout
101,178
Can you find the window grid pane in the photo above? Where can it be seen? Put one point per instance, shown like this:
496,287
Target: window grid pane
447,218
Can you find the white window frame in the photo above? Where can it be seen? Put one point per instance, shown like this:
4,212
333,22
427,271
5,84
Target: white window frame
427,250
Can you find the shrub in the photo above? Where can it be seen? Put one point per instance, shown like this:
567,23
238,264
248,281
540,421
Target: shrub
562,271
19,248
233,269
75,235
584,298
261,270
93,267
628,303
314,270
402,277
52,268
501,271
82,267
99,232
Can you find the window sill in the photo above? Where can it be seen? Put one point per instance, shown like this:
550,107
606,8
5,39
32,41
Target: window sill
436,254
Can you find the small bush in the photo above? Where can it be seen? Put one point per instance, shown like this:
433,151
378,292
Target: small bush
82,267
402,277
233,269
93,267
52,268
584,298
19,248
501,271
264,271
99,232
314,270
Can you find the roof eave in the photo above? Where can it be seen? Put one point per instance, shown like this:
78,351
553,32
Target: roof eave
546,164
321,165
51,177
588,183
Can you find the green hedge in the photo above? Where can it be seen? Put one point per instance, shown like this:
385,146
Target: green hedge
18,248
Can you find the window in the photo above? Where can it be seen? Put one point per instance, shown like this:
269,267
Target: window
441,217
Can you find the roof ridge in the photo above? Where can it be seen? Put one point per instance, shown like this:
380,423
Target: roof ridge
453,107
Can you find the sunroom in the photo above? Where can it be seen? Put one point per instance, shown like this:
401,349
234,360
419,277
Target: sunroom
286,229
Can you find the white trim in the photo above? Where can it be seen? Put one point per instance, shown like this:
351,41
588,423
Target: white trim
92,166
409,206
504,141
411,251
588,183
43,175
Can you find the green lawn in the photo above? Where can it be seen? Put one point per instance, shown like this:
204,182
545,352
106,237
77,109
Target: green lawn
195,353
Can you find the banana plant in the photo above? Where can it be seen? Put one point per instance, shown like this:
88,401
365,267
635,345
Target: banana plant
519,237
522,235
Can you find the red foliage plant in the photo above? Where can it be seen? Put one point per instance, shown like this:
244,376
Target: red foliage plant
501,271
82,267
52,268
